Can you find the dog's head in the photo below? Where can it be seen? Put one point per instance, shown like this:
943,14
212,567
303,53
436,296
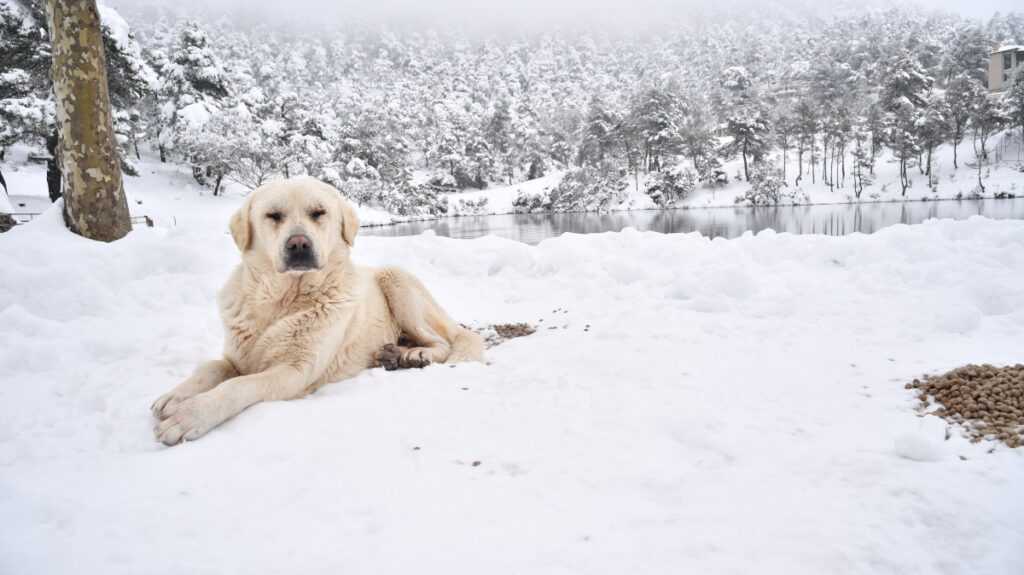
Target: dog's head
295,224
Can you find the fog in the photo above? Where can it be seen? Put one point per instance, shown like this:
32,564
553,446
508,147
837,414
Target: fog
545,13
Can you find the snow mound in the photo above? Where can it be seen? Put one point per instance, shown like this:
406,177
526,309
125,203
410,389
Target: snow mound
684,405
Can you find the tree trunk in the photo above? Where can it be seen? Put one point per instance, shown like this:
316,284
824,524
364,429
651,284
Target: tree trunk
980,184
783,166
799,166
980,156
842,183
746,173
94,202
824,160
53,165
904,180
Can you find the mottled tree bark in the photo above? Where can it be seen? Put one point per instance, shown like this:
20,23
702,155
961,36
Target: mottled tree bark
94,202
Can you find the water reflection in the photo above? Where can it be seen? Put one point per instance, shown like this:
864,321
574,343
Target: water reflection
729,222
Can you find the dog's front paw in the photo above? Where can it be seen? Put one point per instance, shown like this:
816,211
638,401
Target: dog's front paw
166,402
416,357
184,421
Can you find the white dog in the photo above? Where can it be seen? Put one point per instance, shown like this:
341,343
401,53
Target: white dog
298,313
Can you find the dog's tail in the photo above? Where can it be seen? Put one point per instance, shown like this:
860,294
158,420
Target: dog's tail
467,345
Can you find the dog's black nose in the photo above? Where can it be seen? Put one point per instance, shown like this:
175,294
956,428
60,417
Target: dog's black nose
298,243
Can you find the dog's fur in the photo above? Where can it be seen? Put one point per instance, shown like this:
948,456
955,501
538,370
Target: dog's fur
298,313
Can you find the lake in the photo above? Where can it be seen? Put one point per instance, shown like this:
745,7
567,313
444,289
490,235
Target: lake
728,222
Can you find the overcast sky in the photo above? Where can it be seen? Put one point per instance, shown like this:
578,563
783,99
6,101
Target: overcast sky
541,12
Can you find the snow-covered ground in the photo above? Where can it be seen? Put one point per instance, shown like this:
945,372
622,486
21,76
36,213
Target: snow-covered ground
686,406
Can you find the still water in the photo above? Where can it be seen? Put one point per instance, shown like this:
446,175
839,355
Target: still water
729,222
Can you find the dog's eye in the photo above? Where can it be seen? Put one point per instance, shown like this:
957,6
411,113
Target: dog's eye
315,214
276,216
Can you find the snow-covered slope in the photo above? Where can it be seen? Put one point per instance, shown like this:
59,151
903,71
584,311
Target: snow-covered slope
1002,175
686,406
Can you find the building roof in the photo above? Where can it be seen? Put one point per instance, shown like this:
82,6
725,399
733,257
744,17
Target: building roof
1011,48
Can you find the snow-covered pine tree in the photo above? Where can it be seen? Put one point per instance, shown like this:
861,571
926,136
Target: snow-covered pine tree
130,79
597,141
863,158
653,123
933,130
697,136
986,120
805,125
750,129
903,96
1013,101
960,95
26,102
193,83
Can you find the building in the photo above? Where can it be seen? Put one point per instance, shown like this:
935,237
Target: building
1003,63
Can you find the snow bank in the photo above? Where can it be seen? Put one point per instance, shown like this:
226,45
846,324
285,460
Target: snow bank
686,405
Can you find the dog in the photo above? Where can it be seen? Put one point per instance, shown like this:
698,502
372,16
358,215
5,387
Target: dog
298,314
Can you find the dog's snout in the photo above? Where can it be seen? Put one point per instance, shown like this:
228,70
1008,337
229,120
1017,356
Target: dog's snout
298,253
298,242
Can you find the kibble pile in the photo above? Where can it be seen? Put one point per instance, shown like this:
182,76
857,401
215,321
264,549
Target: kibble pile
986,400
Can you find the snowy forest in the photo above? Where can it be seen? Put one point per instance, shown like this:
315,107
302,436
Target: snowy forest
397,117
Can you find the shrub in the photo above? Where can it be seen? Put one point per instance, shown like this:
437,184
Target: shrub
528,203
766,184
470,207
667,186
711,173
589,188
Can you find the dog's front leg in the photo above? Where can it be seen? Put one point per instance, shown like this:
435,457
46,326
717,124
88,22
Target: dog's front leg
193,417
204,378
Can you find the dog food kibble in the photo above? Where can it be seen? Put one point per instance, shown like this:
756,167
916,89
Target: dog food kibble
987,401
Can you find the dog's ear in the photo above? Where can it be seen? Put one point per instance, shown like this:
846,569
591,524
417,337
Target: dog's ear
349,221
241,225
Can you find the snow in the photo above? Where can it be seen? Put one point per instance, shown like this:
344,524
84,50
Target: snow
686,405
194,116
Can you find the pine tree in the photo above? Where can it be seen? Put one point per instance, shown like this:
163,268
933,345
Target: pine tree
26,107
903,138
653,124
193,84
986,120
749,129
805,125
863,157
960,96
130,79
1013,100
933,129
598,140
